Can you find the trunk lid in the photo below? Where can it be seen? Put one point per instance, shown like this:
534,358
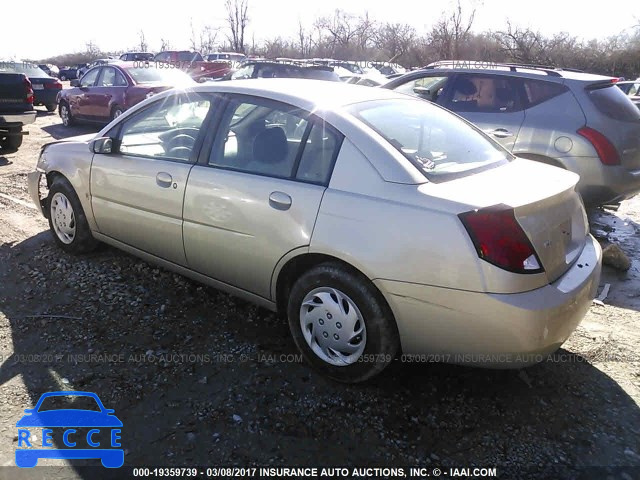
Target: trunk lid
545,204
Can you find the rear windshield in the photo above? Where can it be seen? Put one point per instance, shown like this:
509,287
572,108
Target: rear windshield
441,145
29,69
614,103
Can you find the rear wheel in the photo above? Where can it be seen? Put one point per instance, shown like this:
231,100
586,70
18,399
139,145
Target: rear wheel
65,115
116,112
341,323
67,220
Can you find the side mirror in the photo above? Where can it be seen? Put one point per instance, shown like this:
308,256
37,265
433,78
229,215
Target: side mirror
75,83
30,410
102,145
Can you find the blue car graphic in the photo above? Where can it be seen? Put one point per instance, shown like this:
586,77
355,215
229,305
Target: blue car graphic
68,419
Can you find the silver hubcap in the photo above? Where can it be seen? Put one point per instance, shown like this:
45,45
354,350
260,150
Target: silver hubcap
333,326
62,218
64,113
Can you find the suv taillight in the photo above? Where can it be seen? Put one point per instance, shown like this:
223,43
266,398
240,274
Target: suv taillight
53,85
28,90
606,151
500,240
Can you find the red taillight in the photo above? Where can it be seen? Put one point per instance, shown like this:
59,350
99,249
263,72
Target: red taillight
605,149
28,90
500,240
53,85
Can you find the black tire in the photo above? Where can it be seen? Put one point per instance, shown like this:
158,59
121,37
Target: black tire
83,240
116,112
51,108
11,143
382,339
67,119
63,77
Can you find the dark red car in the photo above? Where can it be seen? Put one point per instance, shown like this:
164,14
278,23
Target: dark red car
107,91
192,63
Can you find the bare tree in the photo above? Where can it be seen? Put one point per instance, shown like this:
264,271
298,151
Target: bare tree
208,38
237,20
142,43
164,45
521,45
451,31
395,39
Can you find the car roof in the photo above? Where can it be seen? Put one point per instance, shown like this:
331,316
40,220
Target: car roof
310,93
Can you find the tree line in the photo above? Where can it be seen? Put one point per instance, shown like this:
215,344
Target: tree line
347,36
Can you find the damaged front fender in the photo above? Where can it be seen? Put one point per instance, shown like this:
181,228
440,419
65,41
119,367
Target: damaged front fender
33,182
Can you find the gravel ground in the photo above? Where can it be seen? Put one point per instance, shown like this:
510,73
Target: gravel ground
201,378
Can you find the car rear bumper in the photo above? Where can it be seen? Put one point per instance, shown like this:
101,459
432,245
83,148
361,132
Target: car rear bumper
18,118
494,330
45,97
600,184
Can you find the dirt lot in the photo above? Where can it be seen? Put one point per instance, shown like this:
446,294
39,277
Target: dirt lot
201,378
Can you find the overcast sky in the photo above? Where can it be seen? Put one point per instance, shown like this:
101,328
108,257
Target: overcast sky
61,27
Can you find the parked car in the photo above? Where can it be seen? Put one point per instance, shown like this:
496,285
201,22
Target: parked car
274,69
631,89
573,120
49,69
193,64
71,73
45,87
137,57
96,63
232,57
106,92
375,221
16,107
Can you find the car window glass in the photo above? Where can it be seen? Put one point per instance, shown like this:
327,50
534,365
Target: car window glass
120,80
168,129
612,102
538,91
319,154
163,57
262,138
69,402
483,93
89,78
427,88
108,78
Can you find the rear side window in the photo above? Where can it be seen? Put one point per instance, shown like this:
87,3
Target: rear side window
538,91
612,102
441,145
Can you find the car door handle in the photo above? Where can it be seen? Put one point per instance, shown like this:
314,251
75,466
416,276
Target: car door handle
280,201
501,133
163,179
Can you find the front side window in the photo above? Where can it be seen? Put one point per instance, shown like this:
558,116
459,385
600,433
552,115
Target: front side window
427,88
483,93
89,78
260,137
441,145
168,129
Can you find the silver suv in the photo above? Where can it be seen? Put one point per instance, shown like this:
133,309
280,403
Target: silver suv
570,119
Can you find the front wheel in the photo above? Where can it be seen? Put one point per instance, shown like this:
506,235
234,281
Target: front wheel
51,107
67,220
117,111
11,143
341,323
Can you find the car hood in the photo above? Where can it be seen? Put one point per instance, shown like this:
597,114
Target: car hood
77,139
69,418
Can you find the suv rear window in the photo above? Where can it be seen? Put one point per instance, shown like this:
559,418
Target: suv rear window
441,145
614,103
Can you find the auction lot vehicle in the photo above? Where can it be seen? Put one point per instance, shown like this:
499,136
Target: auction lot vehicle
105,92
16,107
71,73
193,64
281,69
376,222
574,120
137,57
45,87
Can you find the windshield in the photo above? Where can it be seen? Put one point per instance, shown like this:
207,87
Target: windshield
65,402
157,73
441,145
30,70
